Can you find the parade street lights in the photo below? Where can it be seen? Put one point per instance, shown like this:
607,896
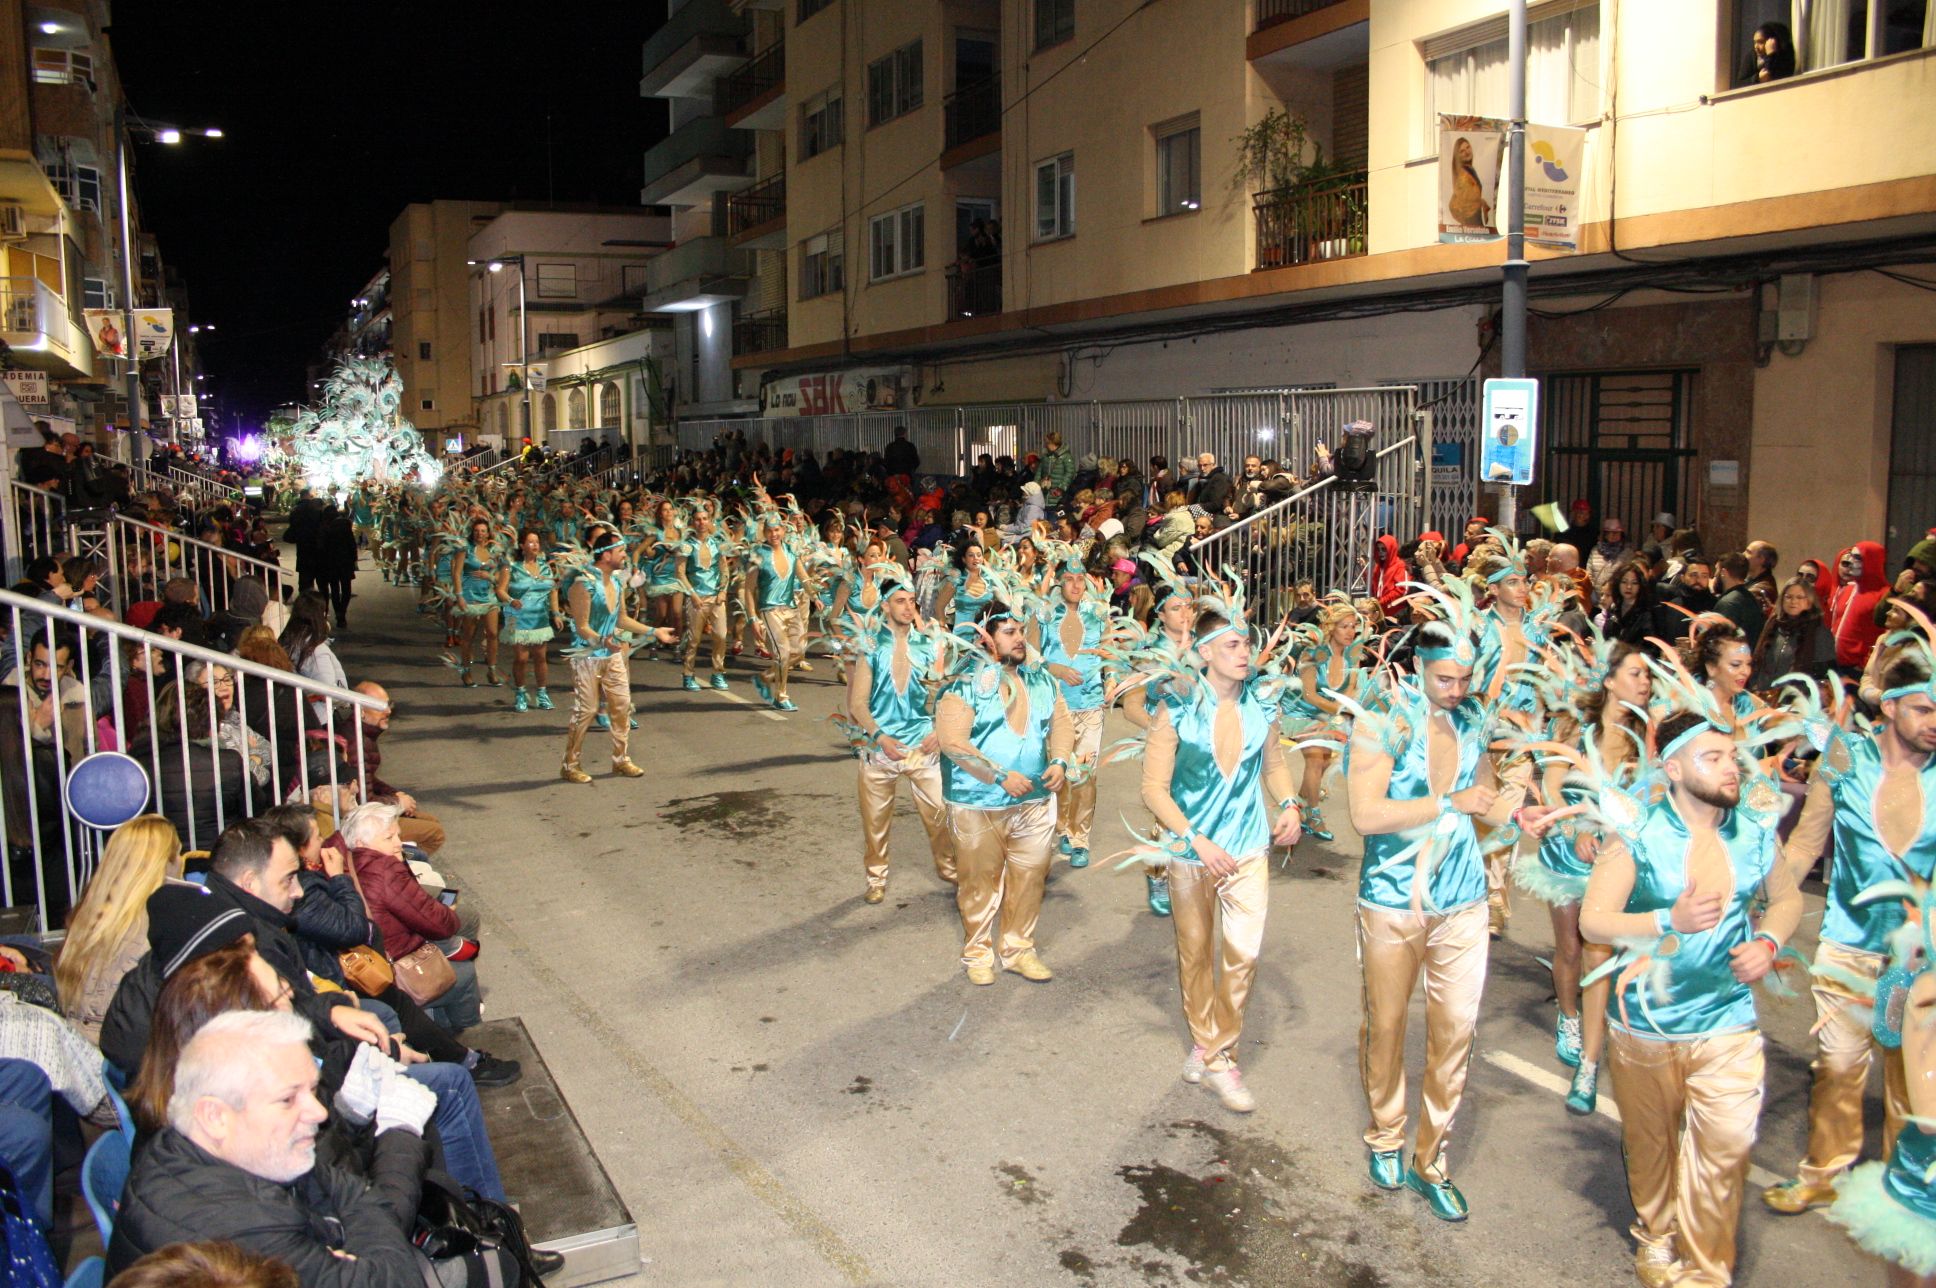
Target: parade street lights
523,363
124,132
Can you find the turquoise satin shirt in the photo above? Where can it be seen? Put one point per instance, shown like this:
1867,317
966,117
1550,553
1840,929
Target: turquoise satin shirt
773,590
1027,753
1086,696
967,603
1702,996
901,715
1228,810
1458,876
1517,693
704,577
1860,858
603,617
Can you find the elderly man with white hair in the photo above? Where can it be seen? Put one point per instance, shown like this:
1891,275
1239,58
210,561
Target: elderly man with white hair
237,1161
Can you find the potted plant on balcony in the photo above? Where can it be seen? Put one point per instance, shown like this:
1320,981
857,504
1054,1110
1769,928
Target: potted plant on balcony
1271,164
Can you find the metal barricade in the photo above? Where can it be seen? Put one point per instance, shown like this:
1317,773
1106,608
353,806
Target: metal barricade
142,556
216,749
43,521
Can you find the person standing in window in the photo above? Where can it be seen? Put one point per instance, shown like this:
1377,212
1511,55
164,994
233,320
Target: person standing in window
1771,54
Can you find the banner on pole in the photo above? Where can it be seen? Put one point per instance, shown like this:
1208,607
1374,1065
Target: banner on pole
1472,154
1555,160
1509,430
28,387
538,373
108,328
154,331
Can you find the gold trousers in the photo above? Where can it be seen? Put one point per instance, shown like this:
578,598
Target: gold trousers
595,682
1394,949
1001,860
1217,984
706,615
1843,1047
921,771
786,639
1687,1121
1075,806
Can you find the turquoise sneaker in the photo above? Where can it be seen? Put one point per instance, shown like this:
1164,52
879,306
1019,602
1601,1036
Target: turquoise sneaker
602,721
690,684
1388,1169
761,687
1159,894
719,681
543,700
1062,845
1079,857
1443,1197
1566,1040
1584,1095
785,704
522,702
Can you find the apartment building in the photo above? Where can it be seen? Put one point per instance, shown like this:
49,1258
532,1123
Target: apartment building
429,303
1744,336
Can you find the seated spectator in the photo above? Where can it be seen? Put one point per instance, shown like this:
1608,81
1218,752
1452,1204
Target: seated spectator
83,578
40,1056
407,916
44,674
199,782
230,731
242,1125
30,791
214,1264
108,932
306,640
178,621
270,709
419,828
248,600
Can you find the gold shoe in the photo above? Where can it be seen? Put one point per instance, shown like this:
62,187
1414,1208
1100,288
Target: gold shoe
875,894
983,975
573,774
626,769
1030,967
1792,1198
1655,1266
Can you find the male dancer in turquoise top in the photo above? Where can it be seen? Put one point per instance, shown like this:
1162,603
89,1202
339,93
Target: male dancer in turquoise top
602,673
1876,796
1069,635
887,696
1212,760
1683,1048
699,572
1416,779
1005,735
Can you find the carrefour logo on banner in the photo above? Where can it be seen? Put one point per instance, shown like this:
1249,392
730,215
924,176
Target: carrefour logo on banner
1549,161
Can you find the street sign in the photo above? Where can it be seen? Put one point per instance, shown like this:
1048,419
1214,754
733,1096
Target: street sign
29,387
1509,419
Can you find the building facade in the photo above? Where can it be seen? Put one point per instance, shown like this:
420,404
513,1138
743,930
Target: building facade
429,303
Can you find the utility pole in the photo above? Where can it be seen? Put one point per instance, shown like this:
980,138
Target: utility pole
130,452
1512,312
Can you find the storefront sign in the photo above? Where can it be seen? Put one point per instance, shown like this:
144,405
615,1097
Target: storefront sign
834,393
29,387
1472,153
1507,421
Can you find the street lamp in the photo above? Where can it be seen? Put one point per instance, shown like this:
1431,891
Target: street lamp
524,348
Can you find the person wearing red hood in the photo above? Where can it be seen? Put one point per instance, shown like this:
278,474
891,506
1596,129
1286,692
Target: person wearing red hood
1864,580
1388,574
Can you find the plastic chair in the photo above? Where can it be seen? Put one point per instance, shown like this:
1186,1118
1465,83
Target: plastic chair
89,1274
121,1110
104,1174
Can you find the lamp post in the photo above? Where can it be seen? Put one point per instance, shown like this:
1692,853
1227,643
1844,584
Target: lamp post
496,265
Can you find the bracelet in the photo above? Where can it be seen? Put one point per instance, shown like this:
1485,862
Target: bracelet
1663,920
1057,760
1290,802
1774,945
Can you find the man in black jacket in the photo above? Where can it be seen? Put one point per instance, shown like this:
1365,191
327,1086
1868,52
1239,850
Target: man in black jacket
1691,591
305,517
1736,602
902,456
237,1161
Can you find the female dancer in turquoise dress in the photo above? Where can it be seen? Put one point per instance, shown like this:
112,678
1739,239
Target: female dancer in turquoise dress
1719,656
658,557
963,594
530,592
1331,662
477,602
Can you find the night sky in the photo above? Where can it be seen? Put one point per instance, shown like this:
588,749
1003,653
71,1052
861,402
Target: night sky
339,114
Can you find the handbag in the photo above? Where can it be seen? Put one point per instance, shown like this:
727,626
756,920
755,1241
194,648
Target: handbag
364,968
458,1227
425,975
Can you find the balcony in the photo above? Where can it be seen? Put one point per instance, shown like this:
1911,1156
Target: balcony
698,159
754,96
974,289
695,274
700,42
37,327
1314,34
1319,220
972,122
760,332
1272,12
756,216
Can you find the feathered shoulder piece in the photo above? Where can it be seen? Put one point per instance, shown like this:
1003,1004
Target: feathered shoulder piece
1454,605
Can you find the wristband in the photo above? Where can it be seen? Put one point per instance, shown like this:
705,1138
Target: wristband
1664,921
1444,804
1289,802
1774,945
1057,760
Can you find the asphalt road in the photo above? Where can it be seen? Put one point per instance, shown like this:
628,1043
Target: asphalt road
790,1087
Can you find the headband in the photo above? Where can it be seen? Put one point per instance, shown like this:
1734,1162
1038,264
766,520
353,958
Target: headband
1693,732
1926,687
1237,625
1510,570
1460,651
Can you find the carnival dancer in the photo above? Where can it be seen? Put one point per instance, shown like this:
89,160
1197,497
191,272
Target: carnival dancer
1330,663
1170,647
1600,689
1673,888
1069,634
702,558
600,663
658,547
1417,777
773,576
1211,762
1509,637
528,588
1875,795
888,678
475,601
1005,737
968,588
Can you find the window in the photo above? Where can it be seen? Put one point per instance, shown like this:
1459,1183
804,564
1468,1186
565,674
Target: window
504,420
1179,168
808,8
63,67
820,123
608,410
96,293
1465,70
557,281
575,409
897,243
423,350
483,322
78,185
548,413
1055,197
557,341
1828,33
822,261
894,84
427,405
1055,22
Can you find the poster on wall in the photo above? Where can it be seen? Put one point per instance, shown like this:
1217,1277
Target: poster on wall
154,331
1472,152
1555,159
835,393
108,328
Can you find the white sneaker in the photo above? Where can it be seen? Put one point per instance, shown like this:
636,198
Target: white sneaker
1193,1067
1231,1092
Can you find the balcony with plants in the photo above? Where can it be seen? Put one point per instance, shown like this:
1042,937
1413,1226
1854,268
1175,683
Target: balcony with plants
1308,209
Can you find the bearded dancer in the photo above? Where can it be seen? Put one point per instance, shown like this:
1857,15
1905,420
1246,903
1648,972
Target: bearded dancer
1418,776
1005,735
1069,634
1509,637
600,665
887,698
700,561
1875,794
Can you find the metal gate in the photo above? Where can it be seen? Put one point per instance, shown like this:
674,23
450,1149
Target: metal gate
1912,455
1621,440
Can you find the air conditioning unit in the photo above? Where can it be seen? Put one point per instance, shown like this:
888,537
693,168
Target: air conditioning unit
13,221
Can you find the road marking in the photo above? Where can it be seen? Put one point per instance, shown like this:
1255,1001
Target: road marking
1550,1081
760,707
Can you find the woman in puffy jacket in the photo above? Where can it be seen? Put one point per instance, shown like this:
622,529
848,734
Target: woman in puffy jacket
407,916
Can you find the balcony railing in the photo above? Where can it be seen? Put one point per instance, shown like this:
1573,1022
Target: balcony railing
1324,219
1272,12
760,332
33,318
973,111
766,71
759,204
974,288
